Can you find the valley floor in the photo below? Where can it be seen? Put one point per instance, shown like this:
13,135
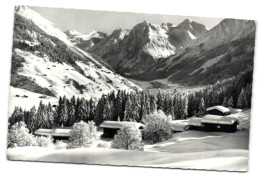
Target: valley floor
165,84
187,150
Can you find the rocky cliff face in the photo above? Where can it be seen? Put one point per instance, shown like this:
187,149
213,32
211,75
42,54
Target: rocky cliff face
141,47
182,35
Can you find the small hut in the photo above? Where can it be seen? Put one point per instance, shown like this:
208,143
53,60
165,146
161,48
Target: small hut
110,128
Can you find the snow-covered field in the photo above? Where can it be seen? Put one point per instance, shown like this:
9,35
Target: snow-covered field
27,99
187,150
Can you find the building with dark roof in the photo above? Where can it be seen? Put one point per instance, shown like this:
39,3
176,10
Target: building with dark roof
110,128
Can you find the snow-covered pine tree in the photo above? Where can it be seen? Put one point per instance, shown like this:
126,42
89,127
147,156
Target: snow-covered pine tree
136,108
17,116
230,102
118,106
225,102
64,112
98,118
50,119
107,112
202,108
128,110
82,110
91,109
41,116
153,105
31,123
242,100
72,111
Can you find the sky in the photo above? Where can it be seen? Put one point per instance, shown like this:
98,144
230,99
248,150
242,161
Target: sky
86,21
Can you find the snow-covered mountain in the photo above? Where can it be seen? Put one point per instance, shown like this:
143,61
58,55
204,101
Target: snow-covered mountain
220,53
46,62
226,31
86,40
141,47
182,35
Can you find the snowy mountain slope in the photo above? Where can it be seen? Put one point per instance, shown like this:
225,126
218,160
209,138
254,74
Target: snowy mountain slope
48,63
145,44
132,51
86,40
220,53
42,23
226,31
63,79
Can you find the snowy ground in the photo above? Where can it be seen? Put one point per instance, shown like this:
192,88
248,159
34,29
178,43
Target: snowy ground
188,150
26,99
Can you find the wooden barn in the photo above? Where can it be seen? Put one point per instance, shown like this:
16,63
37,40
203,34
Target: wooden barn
110,128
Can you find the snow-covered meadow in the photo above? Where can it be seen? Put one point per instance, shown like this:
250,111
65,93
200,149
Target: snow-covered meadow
188,150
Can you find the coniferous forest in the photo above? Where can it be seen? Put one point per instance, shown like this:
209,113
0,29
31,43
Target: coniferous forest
134,106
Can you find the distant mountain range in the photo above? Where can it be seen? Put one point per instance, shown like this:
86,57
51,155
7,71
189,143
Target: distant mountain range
188,54
218,54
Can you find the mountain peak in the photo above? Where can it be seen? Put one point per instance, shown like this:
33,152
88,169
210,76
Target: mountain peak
72,32
145,22
21,8
42,23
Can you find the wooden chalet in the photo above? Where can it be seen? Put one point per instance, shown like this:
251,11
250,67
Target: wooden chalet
60,133
110,128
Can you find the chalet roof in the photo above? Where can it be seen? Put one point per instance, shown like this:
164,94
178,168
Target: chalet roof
119,125
179,125
58,132
43,132
195,121
62,132
220,108
216,119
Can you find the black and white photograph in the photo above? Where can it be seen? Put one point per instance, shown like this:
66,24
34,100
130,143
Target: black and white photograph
112,88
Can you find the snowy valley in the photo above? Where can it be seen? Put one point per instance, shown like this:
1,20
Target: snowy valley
169,94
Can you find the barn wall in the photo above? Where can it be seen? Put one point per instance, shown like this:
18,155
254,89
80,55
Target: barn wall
109,132
215,112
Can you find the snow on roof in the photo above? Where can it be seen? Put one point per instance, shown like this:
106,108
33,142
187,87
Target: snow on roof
43,132
179,125
216,119
119,125
195,121
220,108
62,131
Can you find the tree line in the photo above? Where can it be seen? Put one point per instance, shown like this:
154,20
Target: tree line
135,106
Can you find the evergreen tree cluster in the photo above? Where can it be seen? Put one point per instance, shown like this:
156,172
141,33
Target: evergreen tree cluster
136,106
66,113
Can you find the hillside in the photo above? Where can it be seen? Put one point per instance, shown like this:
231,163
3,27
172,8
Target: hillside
45,61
